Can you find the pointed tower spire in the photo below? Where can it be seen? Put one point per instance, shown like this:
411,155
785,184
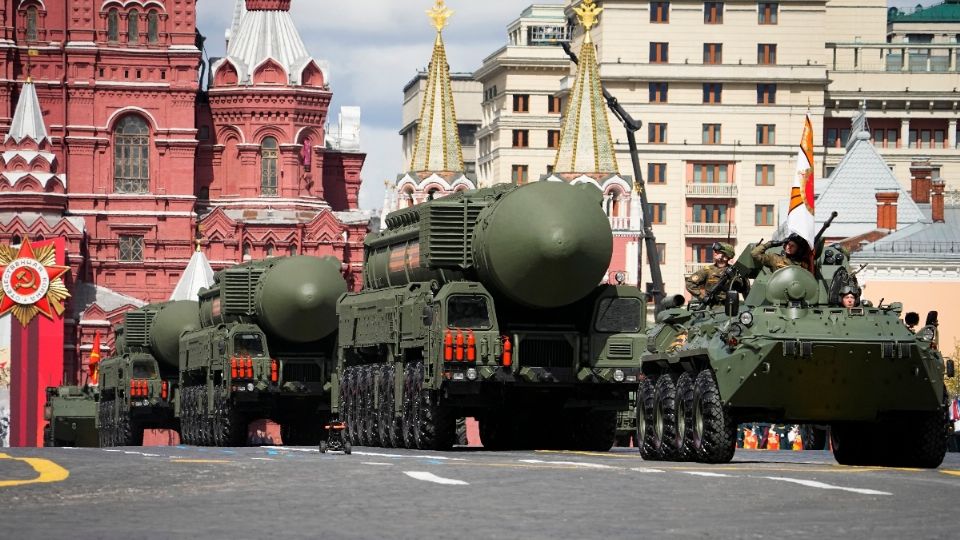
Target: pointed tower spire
28,117
438,142
238,10
586,144
196,276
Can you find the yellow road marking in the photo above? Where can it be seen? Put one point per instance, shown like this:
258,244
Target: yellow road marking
950,472
201,461
47,472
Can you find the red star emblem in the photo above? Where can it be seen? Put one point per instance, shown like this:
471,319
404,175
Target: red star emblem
28,278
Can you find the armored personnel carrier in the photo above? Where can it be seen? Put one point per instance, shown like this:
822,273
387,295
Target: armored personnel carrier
139,383
264,350
71,413
486,303
791,354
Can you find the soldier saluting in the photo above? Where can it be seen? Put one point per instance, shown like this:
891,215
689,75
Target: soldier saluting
702,281
795,251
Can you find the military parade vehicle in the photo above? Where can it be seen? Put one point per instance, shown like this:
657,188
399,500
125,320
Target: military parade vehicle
264,351
71,413
486,303
139,383
791,354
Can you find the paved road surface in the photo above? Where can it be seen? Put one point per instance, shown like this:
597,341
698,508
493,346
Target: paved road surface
295,492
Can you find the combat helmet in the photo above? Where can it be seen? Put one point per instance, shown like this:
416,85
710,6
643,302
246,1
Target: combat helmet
725,248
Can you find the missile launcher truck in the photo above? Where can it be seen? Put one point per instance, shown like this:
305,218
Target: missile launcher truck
71,413
487,303
791,354
139,383
264,350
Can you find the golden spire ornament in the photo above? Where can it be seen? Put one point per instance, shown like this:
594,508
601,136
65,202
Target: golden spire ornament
588,13
439,15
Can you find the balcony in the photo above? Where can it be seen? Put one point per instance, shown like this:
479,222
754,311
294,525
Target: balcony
692,267
725,191
710,230
620,223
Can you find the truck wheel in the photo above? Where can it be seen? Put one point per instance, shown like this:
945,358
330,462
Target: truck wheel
204,418
646,411
461,431
355,405
597,430
373,411
385,411
684,432
346,394
104,430
665,418
924,439
438,426
231,425
186,416
409,403
853,443
814,437
715,433
131,431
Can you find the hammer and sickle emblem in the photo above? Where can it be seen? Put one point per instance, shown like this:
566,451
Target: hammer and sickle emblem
25,279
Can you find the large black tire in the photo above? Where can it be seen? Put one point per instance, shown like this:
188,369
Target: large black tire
646,420
854,444
409,404
596,432
229,425
684,431
104,432
375,397
130,431
188,421
814,437
715,432
353,406
462,431
385,420
665,418
924,441
205,417
438,425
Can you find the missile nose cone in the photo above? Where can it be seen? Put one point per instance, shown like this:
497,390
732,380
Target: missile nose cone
298,298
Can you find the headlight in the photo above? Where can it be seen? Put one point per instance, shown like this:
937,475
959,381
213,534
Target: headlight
472,374
250,387
746,318
618,375
927,333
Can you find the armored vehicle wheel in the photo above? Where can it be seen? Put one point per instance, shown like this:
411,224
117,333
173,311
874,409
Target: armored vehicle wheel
461,431
438,426
354,406
367,412
123,430
416,404
130,431
684,404
360,404
925,439
385,410
187,428
373,410
714,431
102,422
409,421
231,426
597,430
665,418
204,417
853,443
813,437
646,420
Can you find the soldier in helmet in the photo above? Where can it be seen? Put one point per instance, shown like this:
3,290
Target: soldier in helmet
700,282
795,250
850,296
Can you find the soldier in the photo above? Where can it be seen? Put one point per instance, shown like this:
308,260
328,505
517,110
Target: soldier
850,296
795,251
700,282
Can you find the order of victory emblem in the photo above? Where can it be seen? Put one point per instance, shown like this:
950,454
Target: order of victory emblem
31,282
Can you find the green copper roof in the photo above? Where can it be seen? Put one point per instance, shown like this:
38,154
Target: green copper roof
949,11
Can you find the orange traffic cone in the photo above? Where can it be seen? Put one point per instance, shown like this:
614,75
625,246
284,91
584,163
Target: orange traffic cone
750,440
798,442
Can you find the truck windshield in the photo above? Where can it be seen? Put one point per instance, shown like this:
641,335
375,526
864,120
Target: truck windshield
467,312
144,370
619,315
247,345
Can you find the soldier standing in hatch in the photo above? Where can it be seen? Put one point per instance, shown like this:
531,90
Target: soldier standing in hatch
795,251
700,282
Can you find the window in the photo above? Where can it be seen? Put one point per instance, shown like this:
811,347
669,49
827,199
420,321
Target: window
619,315
131,248
766,94
269,155
658,92
657,173
709,213
248,345
468,312
711,133
131,156
662,253
659,12
713,53
766,133
886,138
659,52
521,138
133,26
710,173
32,34
554,105
766,54
153,27
765,175
702,253
614,198
553,138
658,213
656,133
518,174
268,251
113,25
468,134
764,215
712,92
713,12
521,103
767,12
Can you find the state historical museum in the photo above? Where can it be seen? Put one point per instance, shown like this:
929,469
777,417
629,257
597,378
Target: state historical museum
118,138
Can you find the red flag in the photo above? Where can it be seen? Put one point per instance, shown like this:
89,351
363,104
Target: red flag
95,359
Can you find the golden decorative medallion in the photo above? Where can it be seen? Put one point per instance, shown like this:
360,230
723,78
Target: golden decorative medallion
588,14
439,14
31,282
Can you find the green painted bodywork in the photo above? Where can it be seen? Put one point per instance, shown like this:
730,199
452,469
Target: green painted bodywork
71,412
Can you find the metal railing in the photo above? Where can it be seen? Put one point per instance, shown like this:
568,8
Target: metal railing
727,191
620,223
711,230
889,57
907,247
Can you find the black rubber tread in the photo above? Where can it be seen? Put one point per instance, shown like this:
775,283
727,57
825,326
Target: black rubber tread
718,440
438,425
231,426
205,418
396,422
187,419
104,433
597,429
814,437
853,443
645,410
353,406
684,432
373,418
409,421
665,415
927,435
385,409
462,431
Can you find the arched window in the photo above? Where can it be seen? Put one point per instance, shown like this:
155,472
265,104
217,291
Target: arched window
613,202
292,249
113,25
269,250
269,154
246,252
131,156
153,27
133,26
32,23
408,196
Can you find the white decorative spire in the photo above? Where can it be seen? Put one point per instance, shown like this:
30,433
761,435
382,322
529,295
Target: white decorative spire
197,275
238,10
28,118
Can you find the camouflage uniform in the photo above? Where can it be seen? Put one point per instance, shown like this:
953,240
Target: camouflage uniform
701,281
773,261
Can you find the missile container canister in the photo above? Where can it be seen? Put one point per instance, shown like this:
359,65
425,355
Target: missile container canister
71,413
790,353
139,383
486,303
264,351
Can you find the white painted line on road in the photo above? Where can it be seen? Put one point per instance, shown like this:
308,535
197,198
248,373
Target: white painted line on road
292,449
430,477
571,463
821,485
707,474
111,450
417,456
262,458
376,463
646,470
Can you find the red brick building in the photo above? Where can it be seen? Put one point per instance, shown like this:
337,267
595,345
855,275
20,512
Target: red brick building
122,149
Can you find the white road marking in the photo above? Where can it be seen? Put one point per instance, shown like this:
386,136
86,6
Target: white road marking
430,477
707,474
821,485
111,450
292,449
646,470
263,458
572,463
416,456
376,463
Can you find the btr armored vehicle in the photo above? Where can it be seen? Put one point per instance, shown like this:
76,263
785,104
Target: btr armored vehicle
790,353
486,303
71,413
139,383
264,351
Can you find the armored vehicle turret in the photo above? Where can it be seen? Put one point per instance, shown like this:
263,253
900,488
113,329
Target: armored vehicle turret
265,350
486,303
791,353
70,413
